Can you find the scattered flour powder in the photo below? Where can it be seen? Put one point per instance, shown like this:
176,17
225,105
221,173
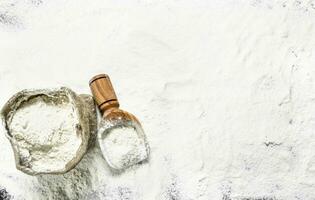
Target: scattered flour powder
44,130
123,147
212,81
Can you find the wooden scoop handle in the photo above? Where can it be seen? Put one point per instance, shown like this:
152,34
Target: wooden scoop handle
103,92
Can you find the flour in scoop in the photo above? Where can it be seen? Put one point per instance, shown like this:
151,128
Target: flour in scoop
123,147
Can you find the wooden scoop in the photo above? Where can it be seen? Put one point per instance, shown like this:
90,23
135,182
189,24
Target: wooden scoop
106,99
117,119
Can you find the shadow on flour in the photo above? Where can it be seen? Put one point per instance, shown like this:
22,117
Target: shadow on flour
11,14
9,20
227,197
172,191
4,195
71,185
109,192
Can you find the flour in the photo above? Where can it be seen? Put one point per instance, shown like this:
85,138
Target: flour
212,82
45,133
123,147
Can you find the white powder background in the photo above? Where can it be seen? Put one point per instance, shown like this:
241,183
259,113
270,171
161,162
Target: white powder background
225,91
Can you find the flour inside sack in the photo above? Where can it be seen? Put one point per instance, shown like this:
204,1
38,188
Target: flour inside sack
45,130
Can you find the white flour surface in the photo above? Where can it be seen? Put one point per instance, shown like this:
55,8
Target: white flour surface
224,89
